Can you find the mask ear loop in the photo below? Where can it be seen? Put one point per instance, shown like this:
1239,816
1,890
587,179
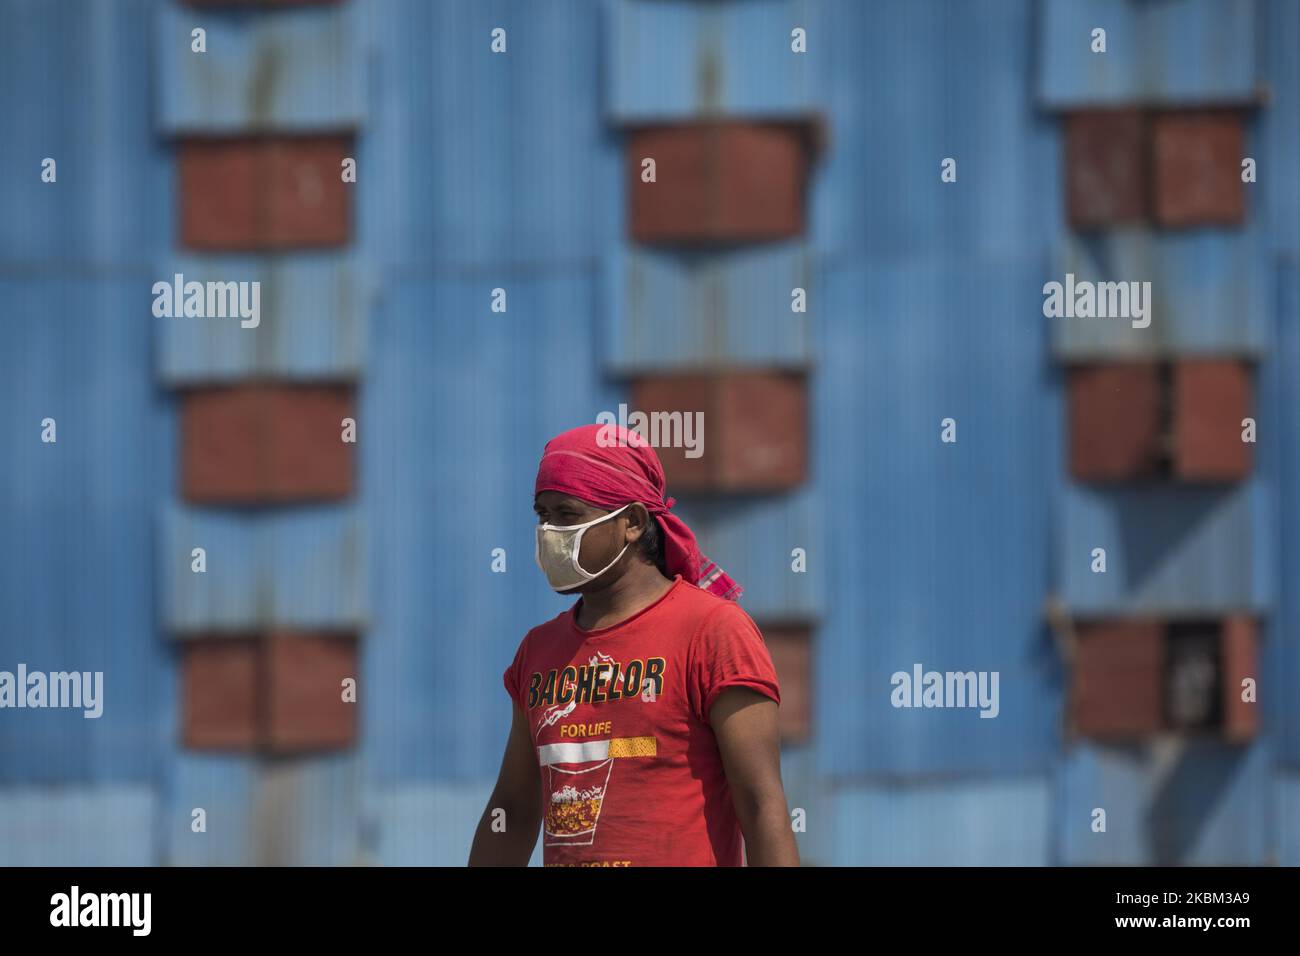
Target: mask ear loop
586,524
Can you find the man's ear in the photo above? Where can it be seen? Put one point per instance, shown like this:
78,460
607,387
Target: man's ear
638,518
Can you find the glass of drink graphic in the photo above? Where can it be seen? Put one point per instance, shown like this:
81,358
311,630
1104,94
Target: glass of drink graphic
576,799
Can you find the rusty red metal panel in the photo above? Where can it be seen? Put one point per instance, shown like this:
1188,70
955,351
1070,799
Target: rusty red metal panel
719,182
791,648
259,444
220,704
263,193
1240,660
753,434
1197,158
764,416
221,191
1106,167
1211,398
687,395
1115,421
279,692
303,677
1117,680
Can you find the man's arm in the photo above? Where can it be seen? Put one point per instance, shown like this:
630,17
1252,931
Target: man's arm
518,792
744,723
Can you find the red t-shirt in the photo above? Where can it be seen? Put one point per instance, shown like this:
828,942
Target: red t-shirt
631,773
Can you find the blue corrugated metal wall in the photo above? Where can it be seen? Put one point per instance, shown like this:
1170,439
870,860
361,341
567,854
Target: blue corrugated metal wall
1195,52
478,172
936,552
447,472
78,516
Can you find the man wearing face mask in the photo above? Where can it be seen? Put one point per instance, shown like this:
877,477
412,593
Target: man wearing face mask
645,715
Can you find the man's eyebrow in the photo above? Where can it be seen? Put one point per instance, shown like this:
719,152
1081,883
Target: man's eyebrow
571,504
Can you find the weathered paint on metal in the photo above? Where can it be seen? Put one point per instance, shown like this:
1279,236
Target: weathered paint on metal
1170,802
311,322
282,70
299,569
220,786
676,59
1172,550
301,812
104,825
1209,294
1197,51
679,310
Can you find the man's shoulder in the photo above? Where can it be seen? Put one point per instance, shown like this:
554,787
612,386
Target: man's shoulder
713,603
711,612
549,629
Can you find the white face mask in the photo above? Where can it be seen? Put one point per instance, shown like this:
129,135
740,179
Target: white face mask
557,553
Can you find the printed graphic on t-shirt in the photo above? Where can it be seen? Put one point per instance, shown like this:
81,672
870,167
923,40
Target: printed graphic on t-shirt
576,799
579,766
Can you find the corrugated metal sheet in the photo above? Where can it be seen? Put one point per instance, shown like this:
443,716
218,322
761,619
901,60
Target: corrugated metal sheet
1171,549
935,553
282,70
222,787
908,83
72,83
265,813
809,802
983,822
925,301
1279,451
752,538
1186,51
672,59
1276,199
300,568
451,381
429,825
308,812
312,321
75,525
1191,803
1286,813
1209,293
475,159
683,309
77,826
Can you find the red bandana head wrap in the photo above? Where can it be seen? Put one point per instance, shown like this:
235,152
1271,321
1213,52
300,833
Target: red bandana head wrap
610,466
